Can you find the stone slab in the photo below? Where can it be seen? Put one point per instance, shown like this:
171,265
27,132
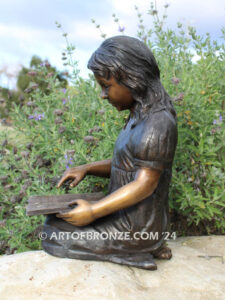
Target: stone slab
196,271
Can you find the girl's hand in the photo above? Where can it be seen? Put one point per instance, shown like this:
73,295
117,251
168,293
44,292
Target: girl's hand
77,173
79,216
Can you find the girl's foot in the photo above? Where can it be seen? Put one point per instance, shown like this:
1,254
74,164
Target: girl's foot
142,261
163,253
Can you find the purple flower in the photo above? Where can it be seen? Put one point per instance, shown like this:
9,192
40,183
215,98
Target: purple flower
47,64
175,80
64,101
221,118
64,90
31,104
68,161
121,28
32,73
39,117
50,74
34,86
36,117
42,64
213,131
58,112
61,129
214,122
179,97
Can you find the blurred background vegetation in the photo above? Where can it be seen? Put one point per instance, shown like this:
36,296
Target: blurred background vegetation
28,79
56,125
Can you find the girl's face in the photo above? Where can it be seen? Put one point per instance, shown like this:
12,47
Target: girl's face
118,95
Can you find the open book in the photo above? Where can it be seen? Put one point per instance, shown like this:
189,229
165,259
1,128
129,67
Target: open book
45,205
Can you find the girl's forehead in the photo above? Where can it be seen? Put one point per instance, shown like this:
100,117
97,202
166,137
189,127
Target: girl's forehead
103,79
102,72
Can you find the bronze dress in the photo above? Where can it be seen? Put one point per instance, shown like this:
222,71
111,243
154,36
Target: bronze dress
149,143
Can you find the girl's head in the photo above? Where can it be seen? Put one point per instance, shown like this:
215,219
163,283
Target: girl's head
131,63
128,60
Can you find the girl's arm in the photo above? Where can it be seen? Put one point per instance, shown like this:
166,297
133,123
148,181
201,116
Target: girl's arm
99,168
143,186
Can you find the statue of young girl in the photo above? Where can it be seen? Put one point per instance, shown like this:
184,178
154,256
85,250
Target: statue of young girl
136,207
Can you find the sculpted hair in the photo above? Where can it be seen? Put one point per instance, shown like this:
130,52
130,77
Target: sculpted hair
133,65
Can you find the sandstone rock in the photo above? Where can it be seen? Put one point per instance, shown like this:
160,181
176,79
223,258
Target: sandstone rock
196,271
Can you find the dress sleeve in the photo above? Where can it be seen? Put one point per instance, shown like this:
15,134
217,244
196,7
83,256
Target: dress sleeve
157,143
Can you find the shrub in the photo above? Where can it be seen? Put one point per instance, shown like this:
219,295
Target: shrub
7,98
74,126
28,80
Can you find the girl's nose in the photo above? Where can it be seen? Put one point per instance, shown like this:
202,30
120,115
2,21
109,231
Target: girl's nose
104,95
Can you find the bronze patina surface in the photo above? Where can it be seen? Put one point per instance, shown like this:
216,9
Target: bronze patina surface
139,172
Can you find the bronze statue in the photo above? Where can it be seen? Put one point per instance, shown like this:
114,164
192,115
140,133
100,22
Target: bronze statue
139,172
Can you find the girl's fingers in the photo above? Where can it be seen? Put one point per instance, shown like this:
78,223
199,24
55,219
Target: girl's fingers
73,204
75,182
67,219
61,215
63,179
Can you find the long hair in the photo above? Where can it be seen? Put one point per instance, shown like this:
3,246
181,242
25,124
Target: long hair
133,65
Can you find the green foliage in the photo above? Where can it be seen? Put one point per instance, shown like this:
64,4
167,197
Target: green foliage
23,79
35,61
50,130
28,80
7,97
32,78
198,186
73,126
